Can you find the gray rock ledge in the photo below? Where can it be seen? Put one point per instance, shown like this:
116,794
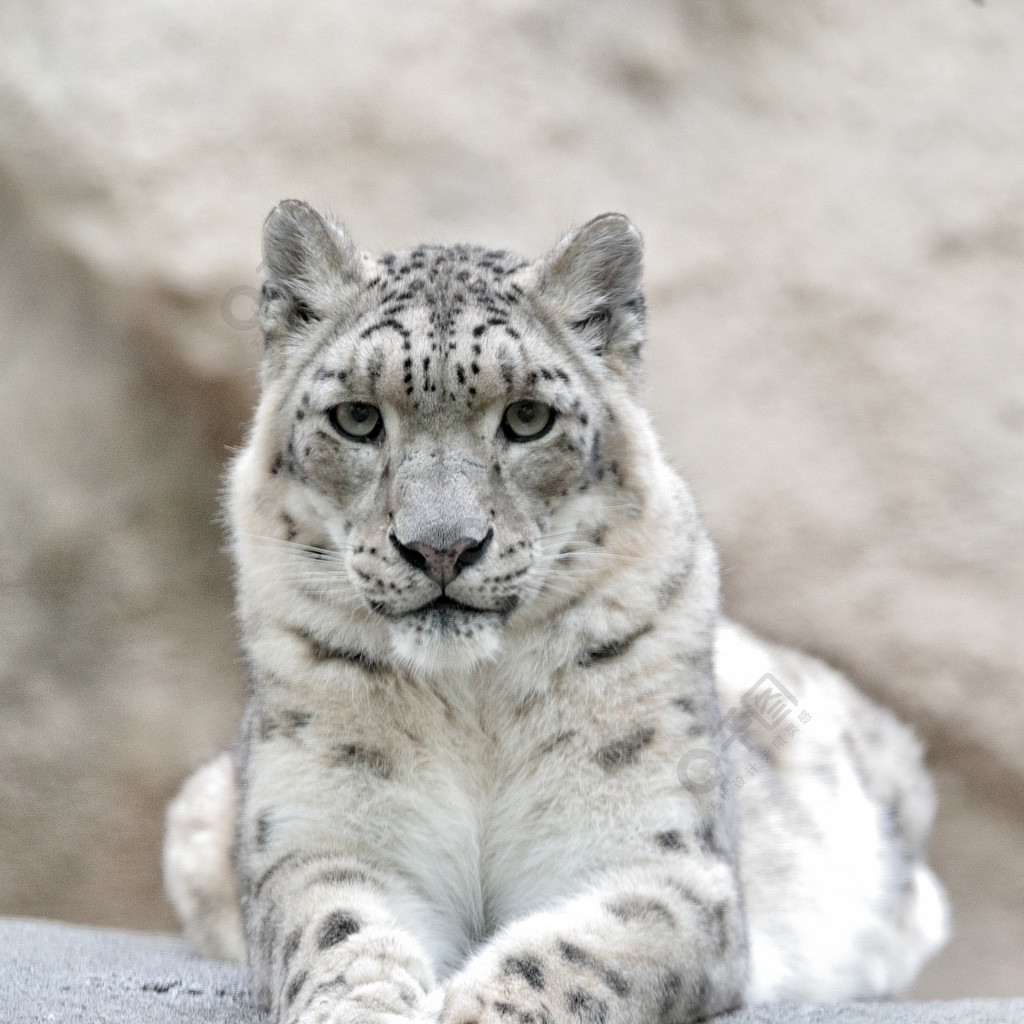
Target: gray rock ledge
59,973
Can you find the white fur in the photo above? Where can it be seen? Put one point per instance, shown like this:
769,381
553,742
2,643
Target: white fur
488,789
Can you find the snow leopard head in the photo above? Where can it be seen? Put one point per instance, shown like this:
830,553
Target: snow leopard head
447,436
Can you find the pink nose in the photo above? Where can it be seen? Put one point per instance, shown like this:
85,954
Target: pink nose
442,565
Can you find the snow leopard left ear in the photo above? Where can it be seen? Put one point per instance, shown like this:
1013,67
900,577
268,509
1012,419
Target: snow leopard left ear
593,280
312,268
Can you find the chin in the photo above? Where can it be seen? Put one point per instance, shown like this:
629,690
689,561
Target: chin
446,640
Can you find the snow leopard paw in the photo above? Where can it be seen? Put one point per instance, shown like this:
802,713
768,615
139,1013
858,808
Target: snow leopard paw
517,989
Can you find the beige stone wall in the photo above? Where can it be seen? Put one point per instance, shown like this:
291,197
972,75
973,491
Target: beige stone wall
832,194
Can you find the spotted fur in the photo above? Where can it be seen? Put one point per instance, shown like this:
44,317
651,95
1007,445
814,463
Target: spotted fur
483,671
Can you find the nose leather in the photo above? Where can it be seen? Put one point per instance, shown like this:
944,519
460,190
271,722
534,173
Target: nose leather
442,565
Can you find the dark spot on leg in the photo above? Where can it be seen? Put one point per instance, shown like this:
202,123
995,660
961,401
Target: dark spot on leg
686,894
339,981
671,985
707,836
586,1007
526,967
642,909
336,928
294,987
719,921
262,834
578,956
670,840
291,947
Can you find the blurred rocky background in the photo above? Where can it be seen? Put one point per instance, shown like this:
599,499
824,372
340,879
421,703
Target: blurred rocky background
832,195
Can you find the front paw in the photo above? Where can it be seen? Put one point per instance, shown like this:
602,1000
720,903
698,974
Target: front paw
370,978
397,999
514,991
364,1008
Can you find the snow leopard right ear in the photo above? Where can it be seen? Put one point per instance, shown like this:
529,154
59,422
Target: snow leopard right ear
311,267
594,278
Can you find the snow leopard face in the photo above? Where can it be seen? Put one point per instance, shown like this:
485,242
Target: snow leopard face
445,431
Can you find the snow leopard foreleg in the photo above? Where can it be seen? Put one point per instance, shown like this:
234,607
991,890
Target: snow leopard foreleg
318,895
324,946
643,944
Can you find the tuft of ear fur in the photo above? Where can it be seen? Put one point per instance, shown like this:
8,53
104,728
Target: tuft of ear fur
310,264
593,280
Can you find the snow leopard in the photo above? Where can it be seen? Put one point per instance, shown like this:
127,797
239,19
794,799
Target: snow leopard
503,761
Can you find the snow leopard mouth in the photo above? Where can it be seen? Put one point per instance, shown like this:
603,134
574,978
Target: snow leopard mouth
445,610
446,607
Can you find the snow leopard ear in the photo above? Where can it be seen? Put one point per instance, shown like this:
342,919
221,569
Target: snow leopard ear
311,267
593,280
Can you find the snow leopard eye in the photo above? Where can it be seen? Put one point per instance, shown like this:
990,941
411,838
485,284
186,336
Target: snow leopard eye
357,420
527,421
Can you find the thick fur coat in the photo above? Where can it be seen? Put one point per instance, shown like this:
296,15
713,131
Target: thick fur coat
502,760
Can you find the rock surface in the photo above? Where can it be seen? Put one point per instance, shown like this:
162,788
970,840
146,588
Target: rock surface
832,199
57,972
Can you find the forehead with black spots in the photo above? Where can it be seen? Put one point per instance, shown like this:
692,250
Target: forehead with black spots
448,326
451,280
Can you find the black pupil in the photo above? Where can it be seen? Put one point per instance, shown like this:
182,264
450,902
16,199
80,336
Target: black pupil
360,413
527,411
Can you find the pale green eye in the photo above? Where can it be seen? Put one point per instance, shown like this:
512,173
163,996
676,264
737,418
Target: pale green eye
527,421
357,420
